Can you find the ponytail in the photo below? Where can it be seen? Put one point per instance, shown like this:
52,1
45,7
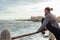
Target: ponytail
49,9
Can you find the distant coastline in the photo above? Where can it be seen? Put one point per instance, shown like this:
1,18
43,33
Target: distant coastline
35,19
27,20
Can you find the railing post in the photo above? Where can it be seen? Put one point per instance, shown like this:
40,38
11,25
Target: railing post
5,35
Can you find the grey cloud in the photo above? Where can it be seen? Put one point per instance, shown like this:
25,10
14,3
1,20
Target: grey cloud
8,3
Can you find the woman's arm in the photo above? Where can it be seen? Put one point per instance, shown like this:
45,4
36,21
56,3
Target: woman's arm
45,22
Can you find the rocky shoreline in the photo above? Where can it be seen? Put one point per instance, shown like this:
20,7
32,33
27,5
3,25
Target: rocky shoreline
35,19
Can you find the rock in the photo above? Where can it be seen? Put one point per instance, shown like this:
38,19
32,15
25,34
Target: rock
51,36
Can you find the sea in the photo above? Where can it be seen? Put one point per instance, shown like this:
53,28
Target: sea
18,28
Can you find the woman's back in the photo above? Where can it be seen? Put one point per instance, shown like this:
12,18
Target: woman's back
53,20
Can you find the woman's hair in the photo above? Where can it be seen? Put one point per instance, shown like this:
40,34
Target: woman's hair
49,9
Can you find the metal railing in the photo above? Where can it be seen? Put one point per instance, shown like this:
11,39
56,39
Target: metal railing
5,35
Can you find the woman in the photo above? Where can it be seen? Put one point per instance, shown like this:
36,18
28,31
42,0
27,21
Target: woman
51,36
51,23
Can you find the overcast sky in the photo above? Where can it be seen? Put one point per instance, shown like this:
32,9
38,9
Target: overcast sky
23,9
